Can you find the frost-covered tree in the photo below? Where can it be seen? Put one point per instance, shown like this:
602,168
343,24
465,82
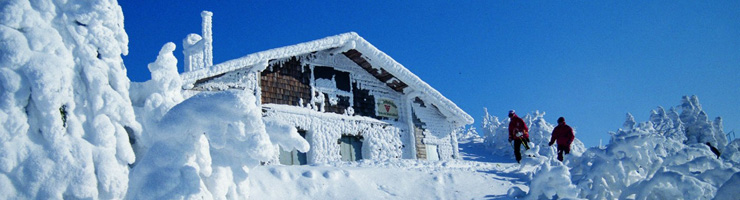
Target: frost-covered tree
64,105
153,98
698,127
663,158
467,134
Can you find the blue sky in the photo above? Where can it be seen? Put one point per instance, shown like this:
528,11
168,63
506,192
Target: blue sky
591,62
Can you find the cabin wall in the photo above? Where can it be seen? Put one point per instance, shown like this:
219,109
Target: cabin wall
324,131
286,82
435,130
329,83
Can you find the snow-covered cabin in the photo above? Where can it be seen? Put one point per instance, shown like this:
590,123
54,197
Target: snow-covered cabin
348,99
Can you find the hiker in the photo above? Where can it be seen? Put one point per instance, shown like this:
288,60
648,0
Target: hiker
564,135
519,133
714,149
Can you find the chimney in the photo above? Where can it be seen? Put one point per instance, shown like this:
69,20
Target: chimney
198,50
207,38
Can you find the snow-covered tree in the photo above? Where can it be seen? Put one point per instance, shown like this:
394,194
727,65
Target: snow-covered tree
153,98
663,158
64,105
467,134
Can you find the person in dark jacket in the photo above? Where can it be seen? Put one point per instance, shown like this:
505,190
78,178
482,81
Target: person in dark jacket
714,149
563,134
519,133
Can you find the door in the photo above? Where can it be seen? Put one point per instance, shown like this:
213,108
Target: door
350,148
432,152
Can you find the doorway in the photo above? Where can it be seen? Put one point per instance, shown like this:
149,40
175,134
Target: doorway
350,147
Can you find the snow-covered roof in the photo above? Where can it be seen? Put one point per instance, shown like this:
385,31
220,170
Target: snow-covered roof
339,43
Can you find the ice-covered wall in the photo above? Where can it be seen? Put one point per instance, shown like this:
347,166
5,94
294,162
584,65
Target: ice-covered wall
323,130
437,131
64,105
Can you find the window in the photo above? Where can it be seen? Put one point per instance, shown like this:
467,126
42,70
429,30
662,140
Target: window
341,79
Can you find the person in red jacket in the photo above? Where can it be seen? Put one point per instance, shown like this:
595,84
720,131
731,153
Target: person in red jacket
519,133
564,135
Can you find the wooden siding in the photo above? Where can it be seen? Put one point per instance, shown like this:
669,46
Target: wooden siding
286,83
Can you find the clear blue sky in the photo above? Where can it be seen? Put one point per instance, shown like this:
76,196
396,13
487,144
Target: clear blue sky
591,62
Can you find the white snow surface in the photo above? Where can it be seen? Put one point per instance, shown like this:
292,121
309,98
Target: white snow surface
64,106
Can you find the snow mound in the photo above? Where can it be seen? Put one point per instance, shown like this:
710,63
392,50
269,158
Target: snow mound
552,182
65,114
201,149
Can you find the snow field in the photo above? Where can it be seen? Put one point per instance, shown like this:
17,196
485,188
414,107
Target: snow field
388,179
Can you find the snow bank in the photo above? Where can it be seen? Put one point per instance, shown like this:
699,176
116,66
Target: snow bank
65,109
496,134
